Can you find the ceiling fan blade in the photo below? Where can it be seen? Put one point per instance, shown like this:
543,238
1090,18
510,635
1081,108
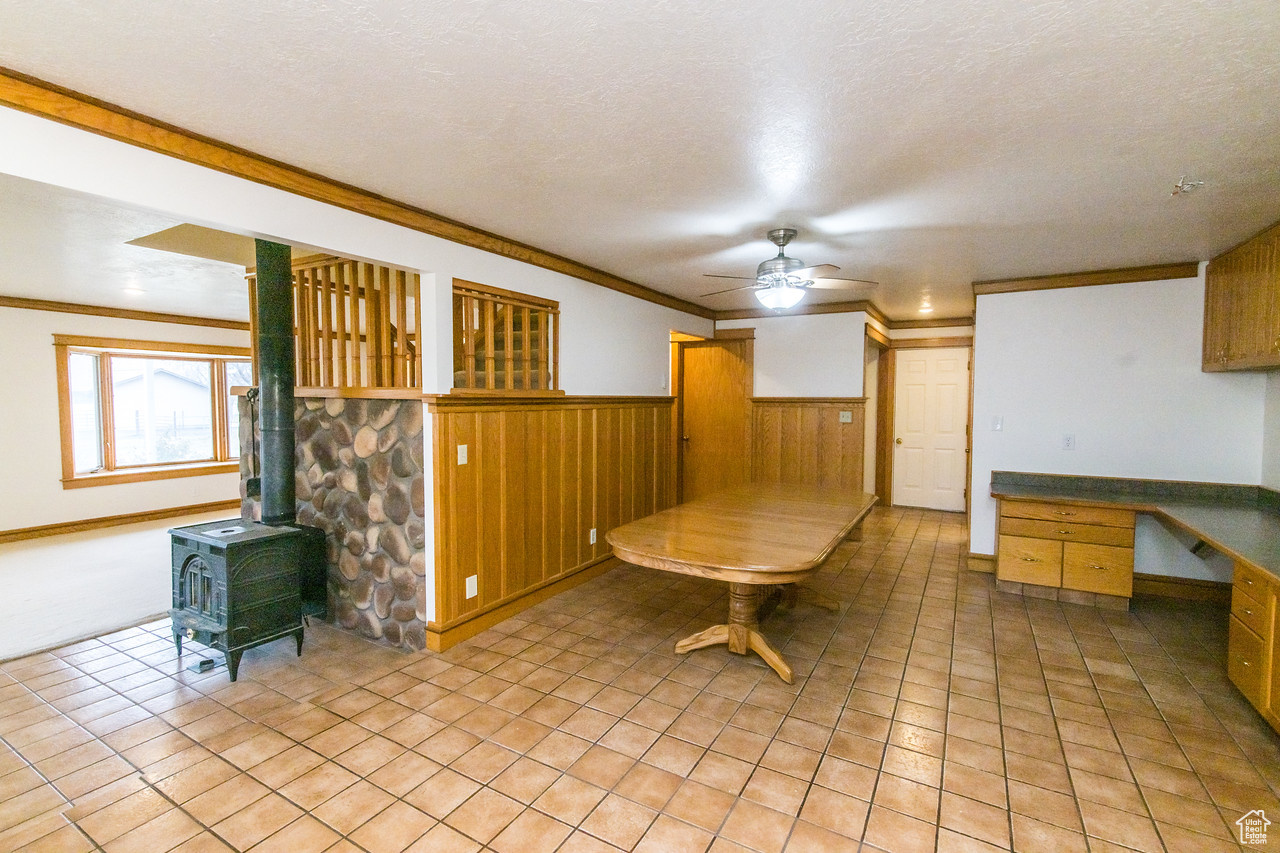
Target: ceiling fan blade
730,290
839,283
818,271
738,277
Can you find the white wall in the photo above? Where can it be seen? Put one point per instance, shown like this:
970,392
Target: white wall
807,355
1118,367
1271,434
29,433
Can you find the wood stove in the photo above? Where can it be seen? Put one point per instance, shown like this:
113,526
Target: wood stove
236,585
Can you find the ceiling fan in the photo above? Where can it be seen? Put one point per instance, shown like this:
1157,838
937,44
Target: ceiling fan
781,282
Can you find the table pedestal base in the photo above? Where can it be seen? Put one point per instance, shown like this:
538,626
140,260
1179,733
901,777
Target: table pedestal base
741,634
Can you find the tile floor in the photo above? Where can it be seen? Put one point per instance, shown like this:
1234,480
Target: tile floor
931,712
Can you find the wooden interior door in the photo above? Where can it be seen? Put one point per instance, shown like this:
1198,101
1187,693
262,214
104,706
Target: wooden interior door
715,416
931,427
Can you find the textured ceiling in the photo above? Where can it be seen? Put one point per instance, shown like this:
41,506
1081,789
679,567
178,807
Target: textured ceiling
920,144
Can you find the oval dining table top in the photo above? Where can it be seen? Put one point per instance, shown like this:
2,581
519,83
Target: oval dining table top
757,534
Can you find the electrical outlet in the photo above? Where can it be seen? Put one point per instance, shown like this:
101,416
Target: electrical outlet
1069,442
472,591
462,454
592,536
846,417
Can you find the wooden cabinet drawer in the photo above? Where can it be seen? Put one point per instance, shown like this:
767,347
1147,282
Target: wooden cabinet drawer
1067,512
1067,531
1023,560
1252,581
1245,661
1250,611
1097,568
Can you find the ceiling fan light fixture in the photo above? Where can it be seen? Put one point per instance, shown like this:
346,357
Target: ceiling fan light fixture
780,296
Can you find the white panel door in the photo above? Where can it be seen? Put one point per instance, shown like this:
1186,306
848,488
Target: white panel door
931,417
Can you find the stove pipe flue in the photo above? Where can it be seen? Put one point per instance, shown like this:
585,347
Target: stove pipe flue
274,278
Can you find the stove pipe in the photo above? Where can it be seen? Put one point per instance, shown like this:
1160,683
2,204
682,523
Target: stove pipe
274,278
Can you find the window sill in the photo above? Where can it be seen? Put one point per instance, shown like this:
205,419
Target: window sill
140,475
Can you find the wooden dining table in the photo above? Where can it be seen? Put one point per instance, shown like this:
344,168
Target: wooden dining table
755,537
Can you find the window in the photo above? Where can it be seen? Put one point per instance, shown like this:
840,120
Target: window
504,341
139,410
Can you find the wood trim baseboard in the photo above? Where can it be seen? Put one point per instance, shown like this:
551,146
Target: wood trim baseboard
981,563
119,313
1153,272
1189,589
41,98
20,534
442,637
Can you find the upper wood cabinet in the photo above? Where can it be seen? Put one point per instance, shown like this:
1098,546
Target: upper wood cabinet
1242,306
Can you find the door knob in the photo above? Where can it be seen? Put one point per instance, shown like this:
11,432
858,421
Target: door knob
897,441
684,438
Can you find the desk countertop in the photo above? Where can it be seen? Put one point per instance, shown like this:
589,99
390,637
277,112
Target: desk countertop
1241,521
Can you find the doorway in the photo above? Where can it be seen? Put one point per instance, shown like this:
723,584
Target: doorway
714,420
931,427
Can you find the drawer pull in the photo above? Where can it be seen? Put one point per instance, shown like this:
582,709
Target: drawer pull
1062,512
1248,612
1248,581
1244,662
1066,532
1099,568
1030,560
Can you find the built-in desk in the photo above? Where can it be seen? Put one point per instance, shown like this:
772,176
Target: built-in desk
1242,522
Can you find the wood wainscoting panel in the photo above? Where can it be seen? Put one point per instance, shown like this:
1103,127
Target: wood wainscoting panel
802,441
540,475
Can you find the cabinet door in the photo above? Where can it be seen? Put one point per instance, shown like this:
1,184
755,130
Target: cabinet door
1097,568
1218,283
1244,661
1026,560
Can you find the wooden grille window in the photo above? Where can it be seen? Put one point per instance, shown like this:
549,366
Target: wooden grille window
504,341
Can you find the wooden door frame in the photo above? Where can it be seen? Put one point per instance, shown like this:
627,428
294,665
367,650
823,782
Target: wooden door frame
679,342
886,379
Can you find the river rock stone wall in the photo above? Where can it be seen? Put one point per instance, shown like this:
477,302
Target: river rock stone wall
359,478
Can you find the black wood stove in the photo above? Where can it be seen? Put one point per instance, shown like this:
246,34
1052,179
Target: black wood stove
236,585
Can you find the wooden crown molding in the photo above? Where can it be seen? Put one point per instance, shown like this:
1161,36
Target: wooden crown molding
802,308
937,323
1154,272
867,307
931,343
119,313
38,97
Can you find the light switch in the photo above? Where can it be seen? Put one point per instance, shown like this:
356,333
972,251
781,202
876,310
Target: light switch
462,454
